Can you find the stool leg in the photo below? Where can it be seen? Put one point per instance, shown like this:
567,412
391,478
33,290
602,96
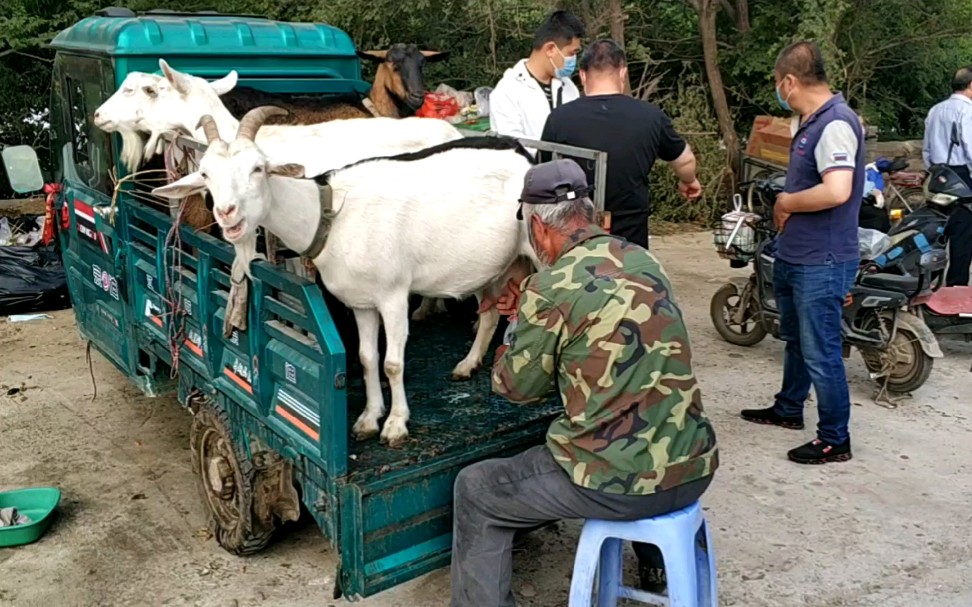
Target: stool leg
585,565
681,571
708,580
609,572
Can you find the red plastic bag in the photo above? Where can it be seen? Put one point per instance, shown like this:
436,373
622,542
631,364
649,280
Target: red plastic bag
438,105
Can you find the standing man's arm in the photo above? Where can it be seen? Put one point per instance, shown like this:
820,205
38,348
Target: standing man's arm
525,372
504,114
965,136
674,150
926,141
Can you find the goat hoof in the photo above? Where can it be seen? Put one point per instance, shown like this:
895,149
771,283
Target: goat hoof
462,374
364,435
394,443
394,434
364,430
464,371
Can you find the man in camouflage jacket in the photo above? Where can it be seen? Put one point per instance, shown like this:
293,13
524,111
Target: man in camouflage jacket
598,324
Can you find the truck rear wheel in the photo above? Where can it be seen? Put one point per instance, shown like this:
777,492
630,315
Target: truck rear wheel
226,480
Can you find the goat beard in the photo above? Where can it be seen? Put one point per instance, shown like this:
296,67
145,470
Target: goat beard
236,305
132,149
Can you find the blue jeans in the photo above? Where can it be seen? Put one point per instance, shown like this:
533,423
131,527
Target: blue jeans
810,299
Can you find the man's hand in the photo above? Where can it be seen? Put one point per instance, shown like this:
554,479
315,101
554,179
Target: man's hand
780,213
690,190
500,351
507,302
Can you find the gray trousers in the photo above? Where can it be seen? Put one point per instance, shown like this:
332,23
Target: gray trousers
497,497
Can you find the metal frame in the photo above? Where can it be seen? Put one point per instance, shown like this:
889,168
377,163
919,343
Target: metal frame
561,149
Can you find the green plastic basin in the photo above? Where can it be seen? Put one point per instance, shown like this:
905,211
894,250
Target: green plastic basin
38,504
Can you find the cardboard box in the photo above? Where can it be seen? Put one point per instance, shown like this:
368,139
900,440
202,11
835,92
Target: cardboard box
770,140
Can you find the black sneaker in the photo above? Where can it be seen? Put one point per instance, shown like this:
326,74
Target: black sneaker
820,452
772,418
652,579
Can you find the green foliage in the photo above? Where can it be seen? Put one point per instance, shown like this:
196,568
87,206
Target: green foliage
893,59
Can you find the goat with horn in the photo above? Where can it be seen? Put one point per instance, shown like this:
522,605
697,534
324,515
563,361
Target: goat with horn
452,233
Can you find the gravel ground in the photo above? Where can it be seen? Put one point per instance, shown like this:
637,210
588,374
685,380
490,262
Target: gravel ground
889,528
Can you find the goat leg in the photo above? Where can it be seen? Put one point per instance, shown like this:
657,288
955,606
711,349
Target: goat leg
368,323
394,313
486,327
487,321
427,308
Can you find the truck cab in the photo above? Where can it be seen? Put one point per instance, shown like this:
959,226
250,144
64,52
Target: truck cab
270,437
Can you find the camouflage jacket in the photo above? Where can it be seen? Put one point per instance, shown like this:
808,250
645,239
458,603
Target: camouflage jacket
601,326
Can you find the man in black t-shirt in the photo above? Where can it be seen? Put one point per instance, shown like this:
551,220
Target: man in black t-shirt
634,134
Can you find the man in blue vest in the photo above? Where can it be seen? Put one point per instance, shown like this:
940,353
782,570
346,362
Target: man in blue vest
817,252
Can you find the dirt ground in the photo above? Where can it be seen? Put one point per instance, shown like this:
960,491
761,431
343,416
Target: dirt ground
889,528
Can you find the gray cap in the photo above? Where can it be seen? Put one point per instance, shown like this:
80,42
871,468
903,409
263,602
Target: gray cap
554,182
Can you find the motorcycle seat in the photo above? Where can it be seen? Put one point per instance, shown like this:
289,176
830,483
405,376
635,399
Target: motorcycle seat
951,301
891,282
898,164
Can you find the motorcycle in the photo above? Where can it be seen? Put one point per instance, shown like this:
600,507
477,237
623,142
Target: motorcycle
897,346
947,311
904,189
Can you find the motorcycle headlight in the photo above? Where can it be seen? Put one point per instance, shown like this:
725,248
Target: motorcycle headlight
942,200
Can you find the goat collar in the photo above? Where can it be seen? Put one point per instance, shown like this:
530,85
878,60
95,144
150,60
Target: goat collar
370,106
323,226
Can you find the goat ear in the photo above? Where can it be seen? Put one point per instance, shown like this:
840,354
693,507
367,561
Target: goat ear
433,56
287,170
179,81
193,183
372,55
225,84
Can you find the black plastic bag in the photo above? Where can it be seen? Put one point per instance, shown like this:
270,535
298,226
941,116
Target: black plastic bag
32,279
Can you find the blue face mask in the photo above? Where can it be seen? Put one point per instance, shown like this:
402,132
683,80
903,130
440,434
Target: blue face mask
781,100
569,64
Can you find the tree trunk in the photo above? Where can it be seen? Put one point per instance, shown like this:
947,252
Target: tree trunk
707,31
742,15
616,10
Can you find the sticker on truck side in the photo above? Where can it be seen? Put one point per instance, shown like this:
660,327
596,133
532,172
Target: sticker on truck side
298,415
107,282
87,227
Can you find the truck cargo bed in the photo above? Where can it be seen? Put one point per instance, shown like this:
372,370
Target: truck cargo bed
446,415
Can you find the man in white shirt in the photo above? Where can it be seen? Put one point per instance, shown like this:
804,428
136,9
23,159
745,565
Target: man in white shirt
938,149
522,100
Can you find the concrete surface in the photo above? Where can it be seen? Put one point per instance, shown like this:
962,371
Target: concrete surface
889,528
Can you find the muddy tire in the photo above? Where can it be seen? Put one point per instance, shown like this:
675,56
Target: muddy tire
914,196
226,481
724,303
911,365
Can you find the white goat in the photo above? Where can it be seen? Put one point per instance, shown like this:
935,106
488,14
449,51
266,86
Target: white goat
177,101
183,99
441,223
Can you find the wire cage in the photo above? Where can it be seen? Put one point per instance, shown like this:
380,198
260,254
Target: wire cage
738,233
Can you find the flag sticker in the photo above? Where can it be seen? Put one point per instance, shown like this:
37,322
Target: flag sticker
840,156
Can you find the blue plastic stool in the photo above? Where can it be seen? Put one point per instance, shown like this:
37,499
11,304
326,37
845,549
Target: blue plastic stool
685,544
